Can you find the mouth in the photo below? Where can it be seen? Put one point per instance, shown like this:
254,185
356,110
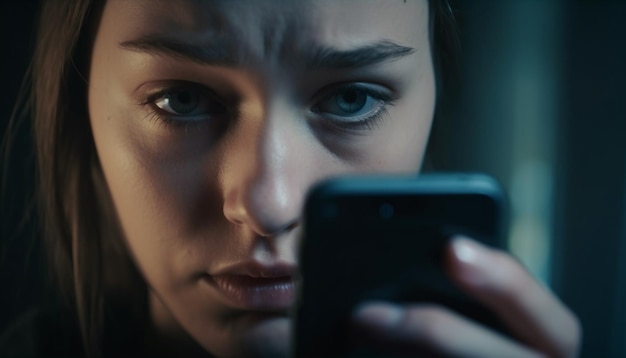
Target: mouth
253,286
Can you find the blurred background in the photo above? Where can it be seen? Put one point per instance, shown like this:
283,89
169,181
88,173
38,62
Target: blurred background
540,106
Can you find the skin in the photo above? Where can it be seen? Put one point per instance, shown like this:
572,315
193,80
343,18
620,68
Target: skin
196,193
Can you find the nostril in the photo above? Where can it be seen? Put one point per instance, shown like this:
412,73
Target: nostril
293,225
269,232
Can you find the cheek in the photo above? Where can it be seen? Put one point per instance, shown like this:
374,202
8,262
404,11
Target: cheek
158,201
155,195
401,144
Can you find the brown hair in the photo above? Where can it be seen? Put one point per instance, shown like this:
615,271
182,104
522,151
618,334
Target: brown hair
445,43
59,117
80,226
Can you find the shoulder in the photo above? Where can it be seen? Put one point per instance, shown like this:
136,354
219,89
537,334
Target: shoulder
42,332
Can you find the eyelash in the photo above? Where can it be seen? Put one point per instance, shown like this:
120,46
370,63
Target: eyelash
169,120
368,122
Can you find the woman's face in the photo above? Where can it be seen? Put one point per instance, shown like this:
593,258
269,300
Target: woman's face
212,119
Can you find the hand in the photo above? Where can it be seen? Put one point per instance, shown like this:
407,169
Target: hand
541,324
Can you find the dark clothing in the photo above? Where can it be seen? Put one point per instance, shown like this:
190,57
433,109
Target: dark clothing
42,333
54,332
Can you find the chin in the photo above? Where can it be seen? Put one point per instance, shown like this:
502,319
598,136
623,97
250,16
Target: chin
268,338
263,337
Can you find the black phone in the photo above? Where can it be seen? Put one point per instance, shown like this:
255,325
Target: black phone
383,238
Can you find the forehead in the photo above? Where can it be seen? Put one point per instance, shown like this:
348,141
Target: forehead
264,30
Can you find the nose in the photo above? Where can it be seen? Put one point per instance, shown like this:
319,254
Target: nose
264,176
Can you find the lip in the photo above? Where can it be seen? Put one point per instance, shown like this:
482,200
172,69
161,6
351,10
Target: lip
255,286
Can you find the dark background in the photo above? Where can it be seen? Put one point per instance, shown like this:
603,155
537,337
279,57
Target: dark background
20,260
542,82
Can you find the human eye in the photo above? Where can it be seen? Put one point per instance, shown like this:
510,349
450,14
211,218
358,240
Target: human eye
183,103
354,105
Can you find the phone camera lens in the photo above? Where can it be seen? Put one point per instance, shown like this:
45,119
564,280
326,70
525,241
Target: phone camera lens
386,211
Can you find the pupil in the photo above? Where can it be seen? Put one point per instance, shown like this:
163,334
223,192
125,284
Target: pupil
351,101
350,96
184,97
183,102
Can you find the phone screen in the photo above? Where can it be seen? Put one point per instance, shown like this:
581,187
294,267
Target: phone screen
384,239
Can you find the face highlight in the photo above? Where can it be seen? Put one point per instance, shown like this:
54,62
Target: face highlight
212,119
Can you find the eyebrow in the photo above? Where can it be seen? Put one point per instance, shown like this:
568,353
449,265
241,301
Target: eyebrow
221,52
328,57
217,54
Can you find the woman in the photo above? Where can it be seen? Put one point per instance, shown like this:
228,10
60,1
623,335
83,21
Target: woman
177,139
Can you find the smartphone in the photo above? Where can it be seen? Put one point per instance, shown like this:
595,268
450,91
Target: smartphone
383,238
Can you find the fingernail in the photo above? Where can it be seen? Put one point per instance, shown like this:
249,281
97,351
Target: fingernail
471,261
378,315
466,250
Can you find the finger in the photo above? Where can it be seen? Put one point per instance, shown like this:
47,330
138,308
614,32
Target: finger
433,331
532,313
